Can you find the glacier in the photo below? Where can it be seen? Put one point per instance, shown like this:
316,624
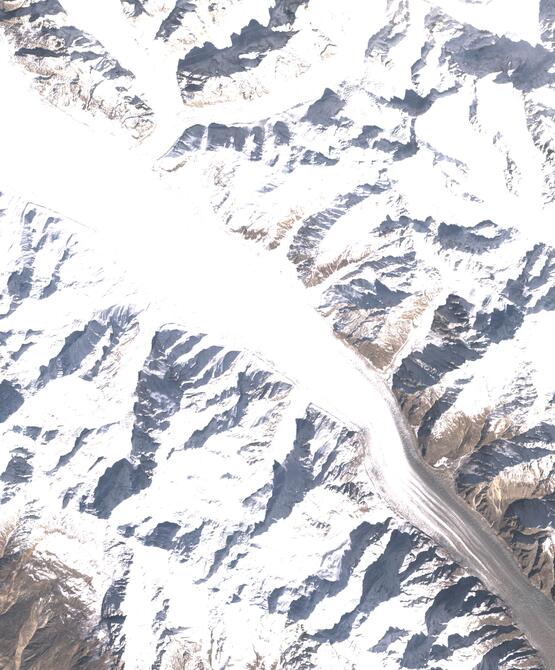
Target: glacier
276,380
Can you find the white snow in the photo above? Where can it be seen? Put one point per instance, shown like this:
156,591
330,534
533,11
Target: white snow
166,239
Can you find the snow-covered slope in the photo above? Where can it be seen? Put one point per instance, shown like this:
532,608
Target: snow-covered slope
398,160
415,200
207,503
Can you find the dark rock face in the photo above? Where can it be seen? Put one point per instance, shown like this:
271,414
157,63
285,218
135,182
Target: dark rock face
462,340
282,134
39,232
547,10
19,283
480,53
203,63
318,589
484,236
425,368
112,617
412,103
532,281
271,139
539,513
174,19
190,140
134,7
119,482
162,535
547,21
291,480
186,543
362,294
392,635
33,10
316,158
10,400
250,385
81,343
507,653
222,136
248,48
160,388
283,12
32,431
498,325
79,441
163,382
367,134
219,136
19,468
381,582
527,525
465,596
77,347
323,111
399,150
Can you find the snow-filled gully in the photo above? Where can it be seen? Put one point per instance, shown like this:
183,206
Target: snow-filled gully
195,272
